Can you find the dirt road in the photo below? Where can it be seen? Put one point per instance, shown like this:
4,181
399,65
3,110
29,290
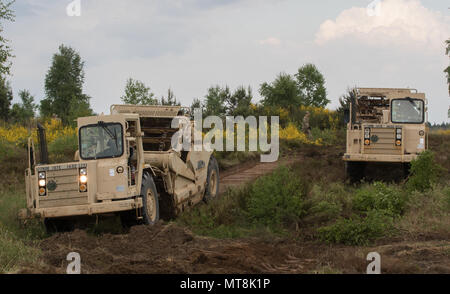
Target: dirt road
248,172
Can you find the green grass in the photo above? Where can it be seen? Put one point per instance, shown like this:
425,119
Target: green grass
15,252
18,242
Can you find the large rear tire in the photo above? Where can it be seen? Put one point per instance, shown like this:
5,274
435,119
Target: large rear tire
212,180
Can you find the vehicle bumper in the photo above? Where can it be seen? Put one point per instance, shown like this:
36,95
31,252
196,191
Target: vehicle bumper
379,157
78,210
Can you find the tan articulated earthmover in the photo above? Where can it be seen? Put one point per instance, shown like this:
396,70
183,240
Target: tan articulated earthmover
125,164
384,125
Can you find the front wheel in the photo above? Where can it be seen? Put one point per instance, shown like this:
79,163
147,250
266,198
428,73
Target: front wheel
57,225
212,180
354,171
150,210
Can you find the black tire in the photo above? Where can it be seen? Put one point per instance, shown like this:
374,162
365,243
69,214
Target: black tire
354,171
212,180
406,169
128,218
55,225
150,210
150,213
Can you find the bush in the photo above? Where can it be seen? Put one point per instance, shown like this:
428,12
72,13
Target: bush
264,206
221,218
358,230
326,203
326,136
424,172
277,198
379,196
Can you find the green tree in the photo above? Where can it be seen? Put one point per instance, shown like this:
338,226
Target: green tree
215,101
7,14
282,92
171,100
196,104
6,97
64,87
311,84
23,112
239,102
137,93
447,70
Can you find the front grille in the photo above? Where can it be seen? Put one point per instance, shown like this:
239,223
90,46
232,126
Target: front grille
382,141
66,192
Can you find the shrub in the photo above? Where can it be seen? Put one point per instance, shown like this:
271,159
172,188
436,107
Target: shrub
277,198
291,133
326,203
358,230
424,172
326,136
379,196
221,218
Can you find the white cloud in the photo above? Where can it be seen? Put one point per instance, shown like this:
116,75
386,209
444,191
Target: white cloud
398,22
270,41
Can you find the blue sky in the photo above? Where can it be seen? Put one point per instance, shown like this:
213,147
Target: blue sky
190,45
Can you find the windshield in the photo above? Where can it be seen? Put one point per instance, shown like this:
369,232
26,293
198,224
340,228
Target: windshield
407,111
103,140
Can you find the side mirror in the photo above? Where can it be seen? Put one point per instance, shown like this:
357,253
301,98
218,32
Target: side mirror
346,116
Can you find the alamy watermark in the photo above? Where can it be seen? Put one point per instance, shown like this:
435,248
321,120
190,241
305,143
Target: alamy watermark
74,267
235,130
374,266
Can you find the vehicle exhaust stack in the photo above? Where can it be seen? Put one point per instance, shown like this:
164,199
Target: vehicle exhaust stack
42,144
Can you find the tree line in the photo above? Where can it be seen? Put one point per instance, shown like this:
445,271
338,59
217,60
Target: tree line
65,99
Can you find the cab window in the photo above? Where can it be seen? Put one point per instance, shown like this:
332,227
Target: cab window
407,111
102,140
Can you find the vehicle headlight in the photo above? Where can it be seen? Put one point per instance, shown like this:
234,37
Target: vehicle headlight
41,175
42,183
83,171
83,179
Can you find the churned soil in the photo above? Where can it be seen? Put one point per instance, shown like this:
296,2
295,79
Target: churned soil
170,249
